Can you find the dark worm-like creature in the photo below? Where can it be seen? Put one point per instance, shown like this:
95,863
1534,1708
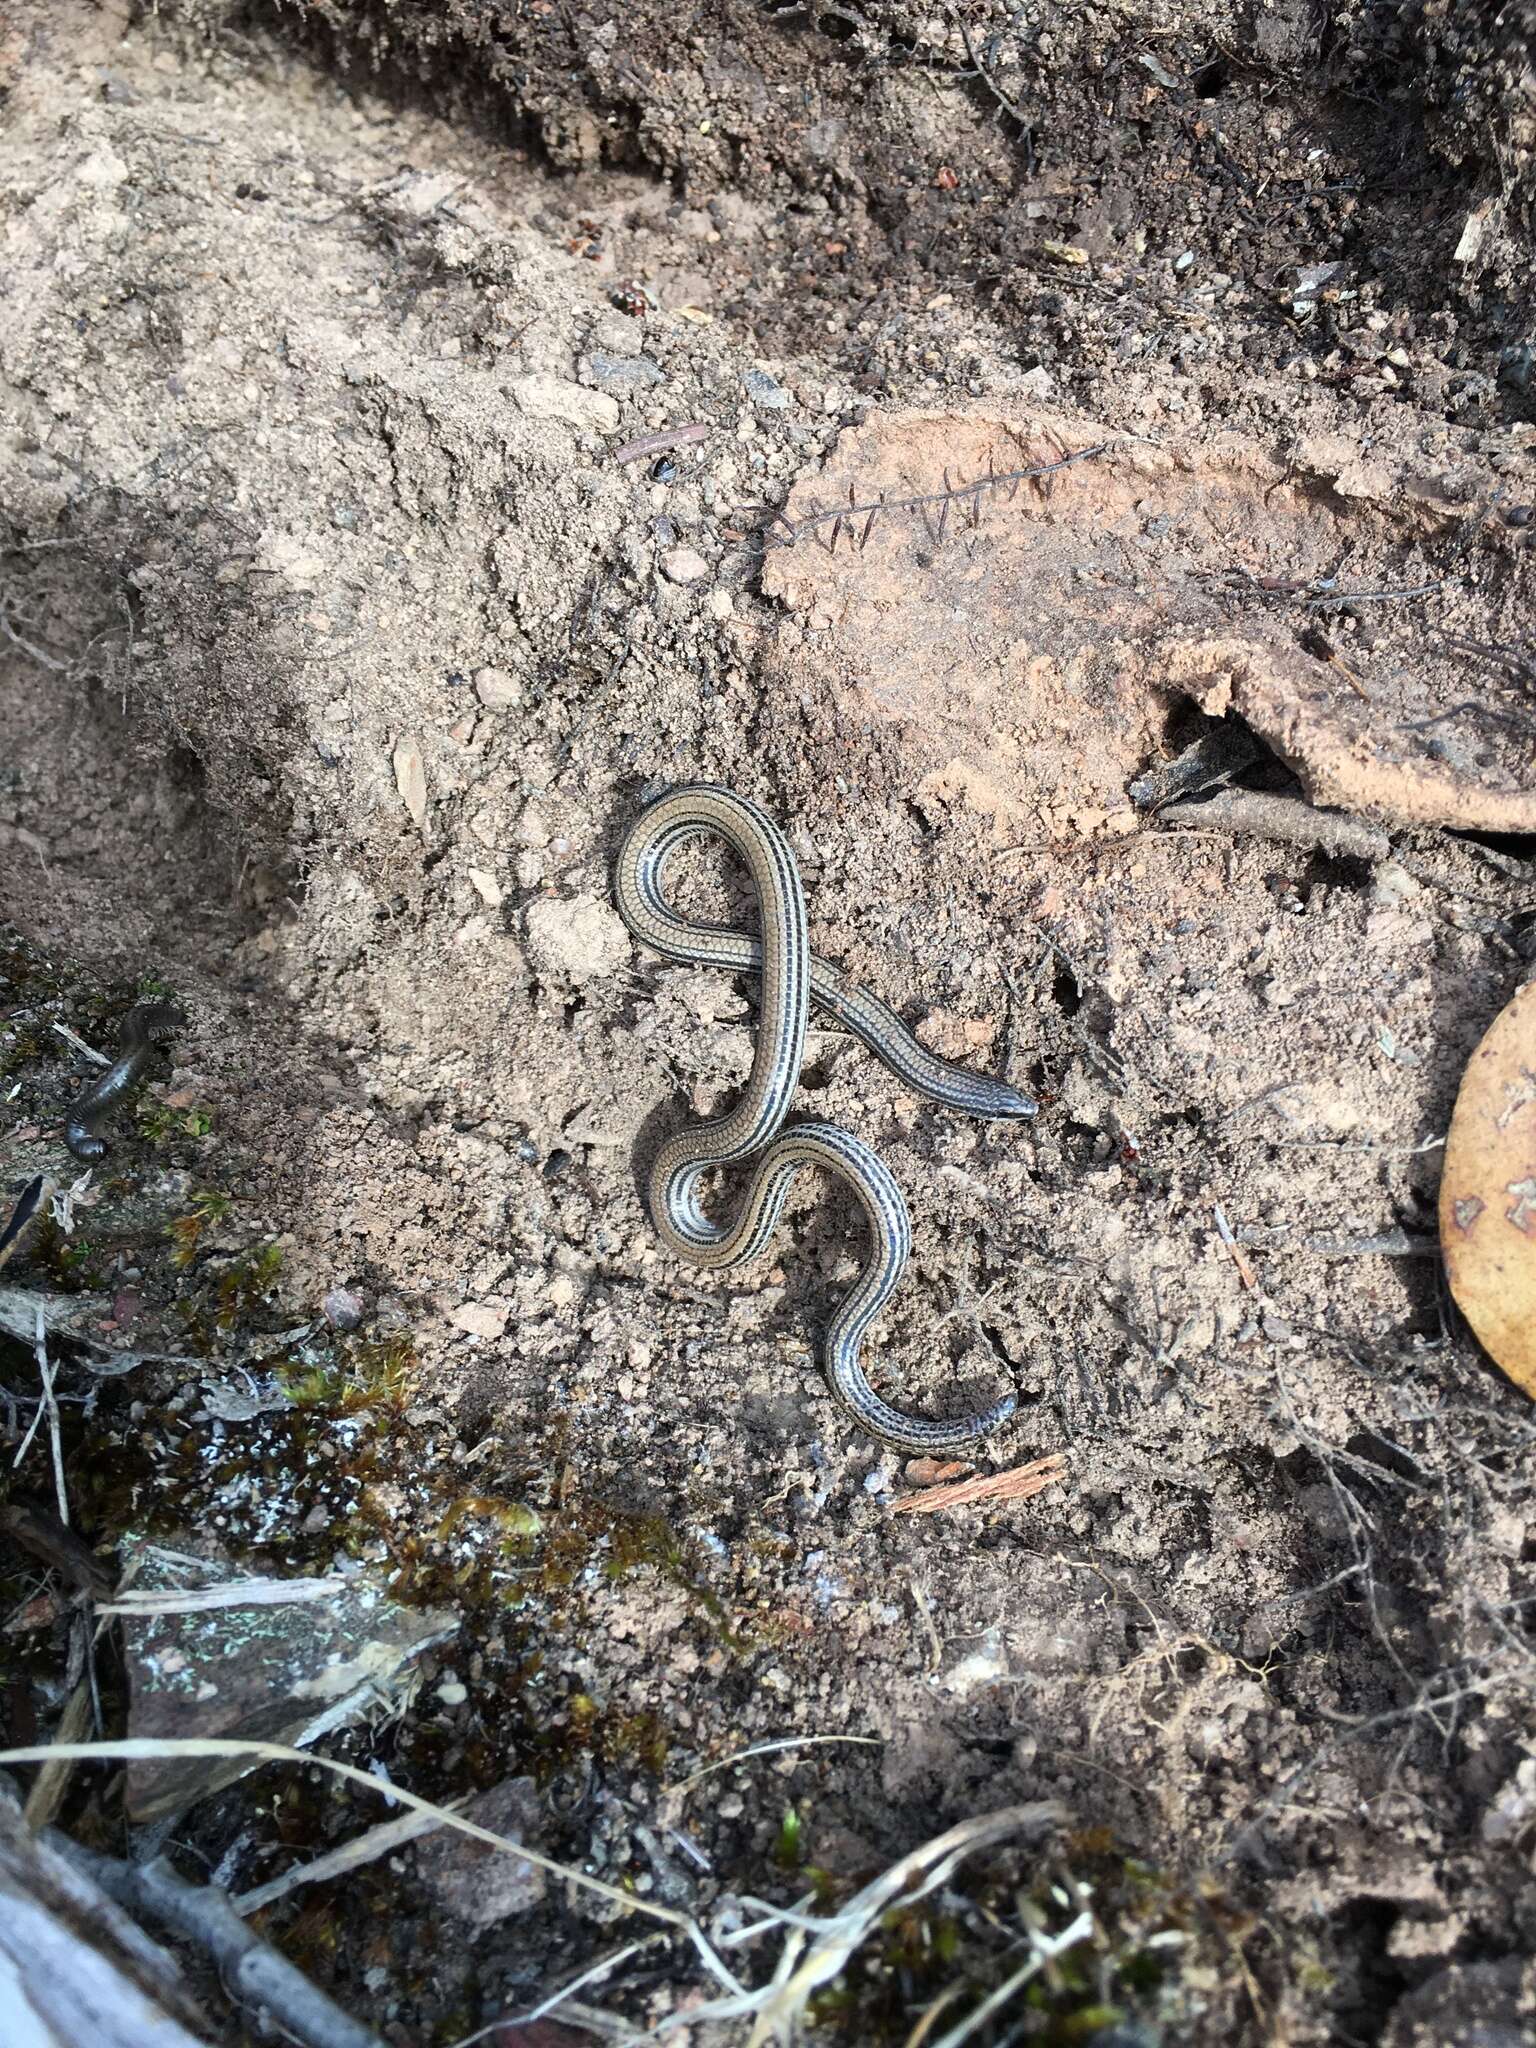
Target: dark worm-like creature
145,1026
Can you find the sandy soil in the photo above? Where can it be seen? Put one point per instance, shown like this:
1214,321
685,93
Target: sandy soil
342,650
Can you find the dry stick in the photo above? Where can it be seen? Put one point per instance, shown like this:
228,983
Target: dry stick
659,443
29,1205
80,1045
1022,1483
52,1781
26,647
1285,819
826,1943
47,1406
235,1593
254,1973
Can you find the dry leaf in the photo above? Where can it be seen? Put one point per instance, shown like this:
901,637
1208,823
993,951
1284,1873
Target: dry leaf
933,1471
1018,1484
1488,1192
411,780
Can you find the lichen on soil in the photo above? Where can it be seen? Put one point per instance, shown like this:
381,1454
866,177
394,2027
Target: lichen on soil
338,652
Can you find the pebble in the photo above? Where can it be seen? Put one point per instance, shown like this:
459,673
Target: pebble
543,397
683,565
621,373
496,689
765,391
480,1318
476,1883
342,1308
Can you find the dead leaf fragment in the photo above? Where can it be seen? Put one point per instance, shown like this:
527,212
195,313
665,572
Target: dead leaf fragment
933,1471
1488,1192
411,780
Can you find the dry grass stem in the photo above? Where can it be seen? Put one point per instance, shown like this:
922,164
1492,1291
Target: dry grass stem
1019,1484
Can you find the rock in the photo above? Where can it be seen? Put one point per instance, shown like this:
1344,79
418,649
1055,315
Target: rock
1488,1191
288,1672
342,1308
481,1318
621,373
574,940
486,886
543,397
683,565
496,689
411,780
476,1883
763,390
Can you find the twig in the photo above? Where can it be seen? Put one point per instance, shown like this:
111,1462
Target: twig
29,1206
1022,1483
599,1970
924,1607
1244,1266
1373,596
1285,819
659,442
52,1781
255,1974
236,1593
80,1045
1044,1949
57,1545
47,1406
777,2007
1386,1244
993,87
34,653
1220,752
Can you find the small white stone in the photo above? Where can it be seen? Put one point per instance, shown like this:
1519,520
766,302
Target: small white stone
481,1318
543,397
487,886
496,689
411,780
684,565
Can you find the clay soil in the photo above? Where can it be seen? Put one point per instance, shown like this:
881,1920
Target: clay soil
341,647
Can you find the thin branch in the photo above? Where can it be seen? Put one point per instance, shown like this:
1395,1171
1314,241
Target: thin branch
262,1981
80,1045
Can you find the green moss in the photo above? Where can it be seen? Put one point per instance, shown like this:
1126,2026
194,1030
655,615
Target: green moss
159,1124
244,1286
208,1207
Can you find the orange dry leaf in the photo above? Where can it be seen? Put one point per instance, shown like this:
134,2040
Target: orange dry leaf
932,1471
1488,1192
1018,1484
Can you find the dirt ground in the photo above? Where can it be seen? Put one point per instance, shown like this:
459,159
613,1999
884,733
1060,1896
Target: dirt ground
342,646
